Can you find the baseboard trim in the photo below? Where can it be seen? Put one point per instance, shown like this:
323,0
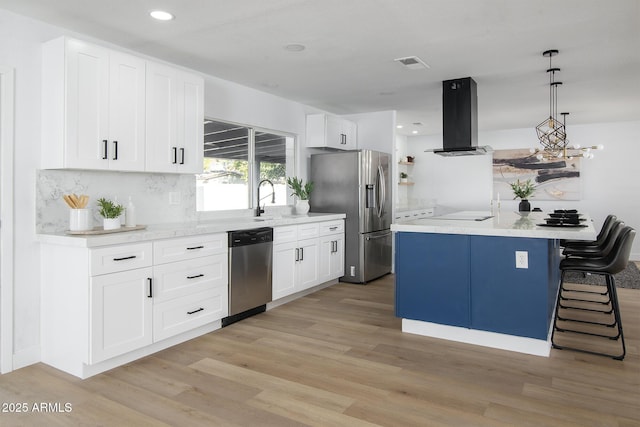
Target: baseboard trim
26,357
483,338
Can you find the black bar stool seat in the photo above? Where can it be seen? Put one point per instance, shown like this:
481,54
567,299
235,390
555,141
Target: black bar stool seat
596,250
602,235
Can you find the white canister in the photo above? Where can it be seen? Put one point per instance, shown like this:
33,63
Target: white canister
80,220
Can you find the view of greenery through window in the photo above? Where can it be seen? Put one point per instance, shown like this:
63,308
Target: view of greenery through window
236,159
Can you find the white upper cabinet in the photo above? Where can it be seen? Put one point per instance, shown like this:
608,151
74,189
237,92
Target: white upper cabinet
325,130
103,109
93,107
175,116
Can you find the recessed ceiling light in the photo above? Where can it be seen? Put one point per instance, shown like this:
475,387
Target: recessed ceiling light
161,15
399,126
414,132
295,47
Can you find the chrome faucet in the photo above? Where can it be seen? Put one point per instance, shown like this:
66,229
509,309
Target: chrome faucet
273,196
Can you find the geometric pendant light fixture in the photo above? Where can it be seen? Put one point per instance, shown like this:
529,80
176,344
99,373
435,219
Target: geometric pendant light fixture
552,133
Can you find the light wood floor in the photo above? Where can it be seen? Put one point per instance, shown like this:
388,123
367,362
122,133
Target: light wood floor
334,358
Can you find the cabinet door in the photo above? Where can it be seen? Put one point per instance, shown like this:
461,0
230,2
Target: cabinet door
126,136
175,117
337,258
334,135
121,313
331,258
87,106
307,274
190,123
162,118
284,269
350,132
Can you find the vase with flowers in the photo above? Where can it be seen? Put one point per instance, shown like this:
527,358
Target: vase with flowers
523,190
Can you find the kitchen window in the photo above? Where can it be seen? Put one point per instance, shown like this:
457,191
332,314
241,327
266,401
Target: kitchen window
236,159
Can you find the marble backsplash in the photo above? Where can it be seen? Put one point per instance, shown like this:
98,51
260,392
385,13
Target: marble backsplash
150,194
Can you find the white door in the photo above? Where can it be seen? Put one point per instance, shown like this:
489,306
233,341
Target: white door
6,217
190,123
161,122
307,263
121,313
126,136
87,98
284,269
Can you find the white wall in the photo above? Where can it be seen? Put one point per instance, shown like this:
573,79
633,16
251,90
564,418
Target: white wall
611,181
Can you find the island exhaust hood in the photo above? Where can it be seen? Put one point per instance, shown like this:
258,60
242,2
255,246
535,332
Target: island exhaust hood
460,119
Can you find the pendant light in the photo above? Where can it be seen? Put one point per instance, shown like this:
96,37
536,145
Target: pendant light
553,134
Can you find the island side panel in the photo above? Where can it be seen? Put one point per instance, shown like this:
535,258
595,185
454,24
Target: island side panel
506,299
432,278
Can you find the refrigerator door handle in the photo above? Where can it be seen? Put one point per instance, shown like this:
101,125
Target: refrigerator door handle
379,236
382,192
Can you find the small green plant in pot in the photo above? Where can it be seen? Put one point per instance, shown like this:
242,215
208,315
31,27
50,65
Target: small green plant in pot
110,212
403,177
522,191
302,191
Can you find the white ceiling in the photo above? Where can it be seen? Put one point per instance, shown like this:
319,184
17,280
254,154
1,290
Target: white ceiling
347,66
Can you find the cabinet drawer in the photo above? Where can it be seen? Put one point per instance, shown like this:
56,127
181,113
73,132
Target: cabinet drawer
285,234
306,231
182,314
183,248
331,227
183,278
112,259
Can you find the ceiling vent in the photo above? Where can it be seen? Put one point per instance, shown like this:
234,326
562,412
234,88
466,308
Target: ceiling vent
412,63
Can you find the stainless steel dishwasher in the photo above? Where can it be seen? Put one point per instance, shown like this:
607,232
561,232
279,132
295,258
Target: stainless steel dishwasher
250,267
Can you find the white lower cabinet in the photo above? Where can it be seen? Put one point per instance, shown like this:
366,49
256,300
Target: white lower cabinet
106,306
331,248
300,254
121,313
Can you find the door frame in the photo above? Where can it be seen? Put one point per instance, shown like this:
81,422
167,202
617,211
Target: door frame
7,103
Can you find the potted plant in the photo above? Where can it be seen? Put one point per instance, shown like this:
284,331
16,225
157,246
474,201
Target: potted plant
403,177
302,192
522,191
110,212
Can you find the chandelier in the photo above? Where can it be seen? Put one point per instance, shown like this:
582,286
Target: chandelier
551,132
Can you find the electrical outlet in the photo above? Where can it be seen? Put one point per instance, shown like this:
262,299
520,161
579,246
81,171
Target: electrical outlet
174,197
522,259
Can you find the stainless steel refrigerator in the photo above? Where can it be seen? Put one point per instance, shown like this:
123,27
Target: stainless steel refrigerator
357,183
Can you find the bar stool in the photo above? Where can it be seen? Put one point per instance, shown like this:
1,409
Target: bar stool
594,251
597,250
614,262
604,231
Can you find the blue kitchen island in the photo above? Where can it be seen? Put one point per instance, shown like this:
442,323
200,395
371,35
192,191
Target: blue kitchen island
481,279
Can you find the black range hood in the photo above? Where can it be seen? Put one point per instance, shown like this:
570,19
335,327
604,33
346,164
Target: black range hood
460,119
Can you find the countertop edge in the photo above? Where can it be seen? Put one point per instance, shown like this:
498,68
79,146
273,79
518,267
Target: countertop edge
166,231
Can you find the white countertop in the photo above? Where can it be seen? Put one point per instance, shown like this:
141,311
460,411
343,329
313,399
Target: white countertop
505,224
163,231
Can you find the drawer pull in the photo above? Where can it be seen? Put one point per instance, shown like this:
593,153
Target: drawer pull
195,311
195,247
195,277
333,228
124,258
